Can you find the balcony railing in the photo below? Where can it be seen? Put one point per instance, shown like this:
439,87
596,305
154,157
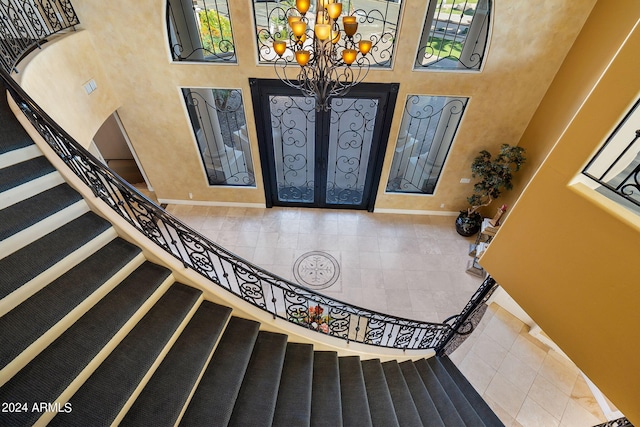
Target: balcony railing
281,298
25,25
620,422
616,166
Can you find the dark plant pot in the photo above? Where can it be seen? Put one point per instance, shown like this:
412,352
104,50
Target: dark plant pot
468,225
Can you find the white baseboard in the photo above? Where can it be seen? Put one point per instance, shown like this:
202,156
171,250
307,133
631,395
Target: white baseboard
609,412
211,203
415,212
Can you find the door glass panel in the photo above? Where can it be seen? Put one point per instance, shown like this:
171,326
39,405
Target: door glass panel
293,132
350,136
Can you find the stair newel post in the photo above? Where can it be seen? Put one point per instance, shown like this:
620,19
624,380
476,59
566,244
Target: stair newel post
458,321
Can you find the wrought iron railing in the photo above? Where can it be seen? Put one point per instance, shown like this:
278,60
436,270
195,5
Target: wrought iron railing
464,323
620,422
616,166
281,298
25,25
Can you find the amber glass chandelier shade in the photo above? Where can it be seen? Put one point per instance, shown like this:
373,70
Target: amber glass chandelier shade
334,10
293,19
303,6
323,31
302,57
364,46
350,25
298,28
279,46
335,37
349,55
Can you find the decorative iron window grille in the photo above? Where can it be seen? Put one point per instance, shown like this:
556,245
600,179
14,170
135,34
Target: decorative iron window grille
378,21
200,31
24,25
429,124
616,166
455,35
219,125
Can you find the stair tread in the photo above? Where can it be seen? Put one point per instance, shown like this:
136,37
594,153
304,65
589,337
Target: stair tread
380,402
213,400
12,134
28,212
355,405
476,401
23,172
464,408
293,406
113,382
51,372
326,402
26,263
446,409
256,401
426,408
163,398
405,407
28,321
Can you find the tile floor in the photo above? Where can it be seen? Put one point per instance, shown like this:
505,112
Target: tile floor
524,381
412,266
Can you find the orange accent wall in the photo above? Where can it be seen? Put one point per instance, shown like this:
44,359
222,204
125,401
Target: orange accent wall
567,255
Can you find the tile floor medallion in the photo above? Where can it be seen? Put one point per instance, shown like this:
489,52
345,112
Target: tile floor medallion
316,270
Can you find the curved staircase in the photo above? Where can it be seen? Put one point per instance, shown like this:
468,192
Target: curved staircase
91,333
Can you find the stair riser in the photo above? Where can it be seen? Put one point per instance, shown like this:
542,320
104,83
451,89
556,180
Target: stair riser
57,270
204,368
52,334
30,189
157,363
42,228
106,350
18,156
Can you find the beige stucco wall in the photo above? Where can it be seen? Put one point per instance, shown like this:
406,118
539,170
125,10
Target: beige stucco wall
131,47
577,249
54,77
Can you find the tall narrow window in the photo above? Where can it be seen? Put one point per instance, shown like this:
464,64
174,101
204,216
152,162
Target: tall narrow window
455,35
218,121
200,30
377,21
429,124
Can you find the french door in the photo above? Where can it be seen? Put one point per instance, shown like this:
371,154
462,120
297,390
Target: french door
329,159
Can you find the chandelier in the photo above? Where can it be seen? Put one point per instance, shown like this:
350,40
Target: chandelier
330,63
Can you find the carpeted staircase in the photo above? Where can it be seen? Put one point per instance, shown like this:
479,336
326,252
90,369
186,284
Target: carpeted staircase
93,334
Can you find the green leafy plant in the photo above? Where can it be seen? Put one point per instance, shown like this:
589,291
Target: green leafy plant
495,175
215,31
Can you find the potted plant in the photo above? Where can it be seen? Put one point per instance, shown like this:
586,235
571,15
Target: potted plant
495,175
